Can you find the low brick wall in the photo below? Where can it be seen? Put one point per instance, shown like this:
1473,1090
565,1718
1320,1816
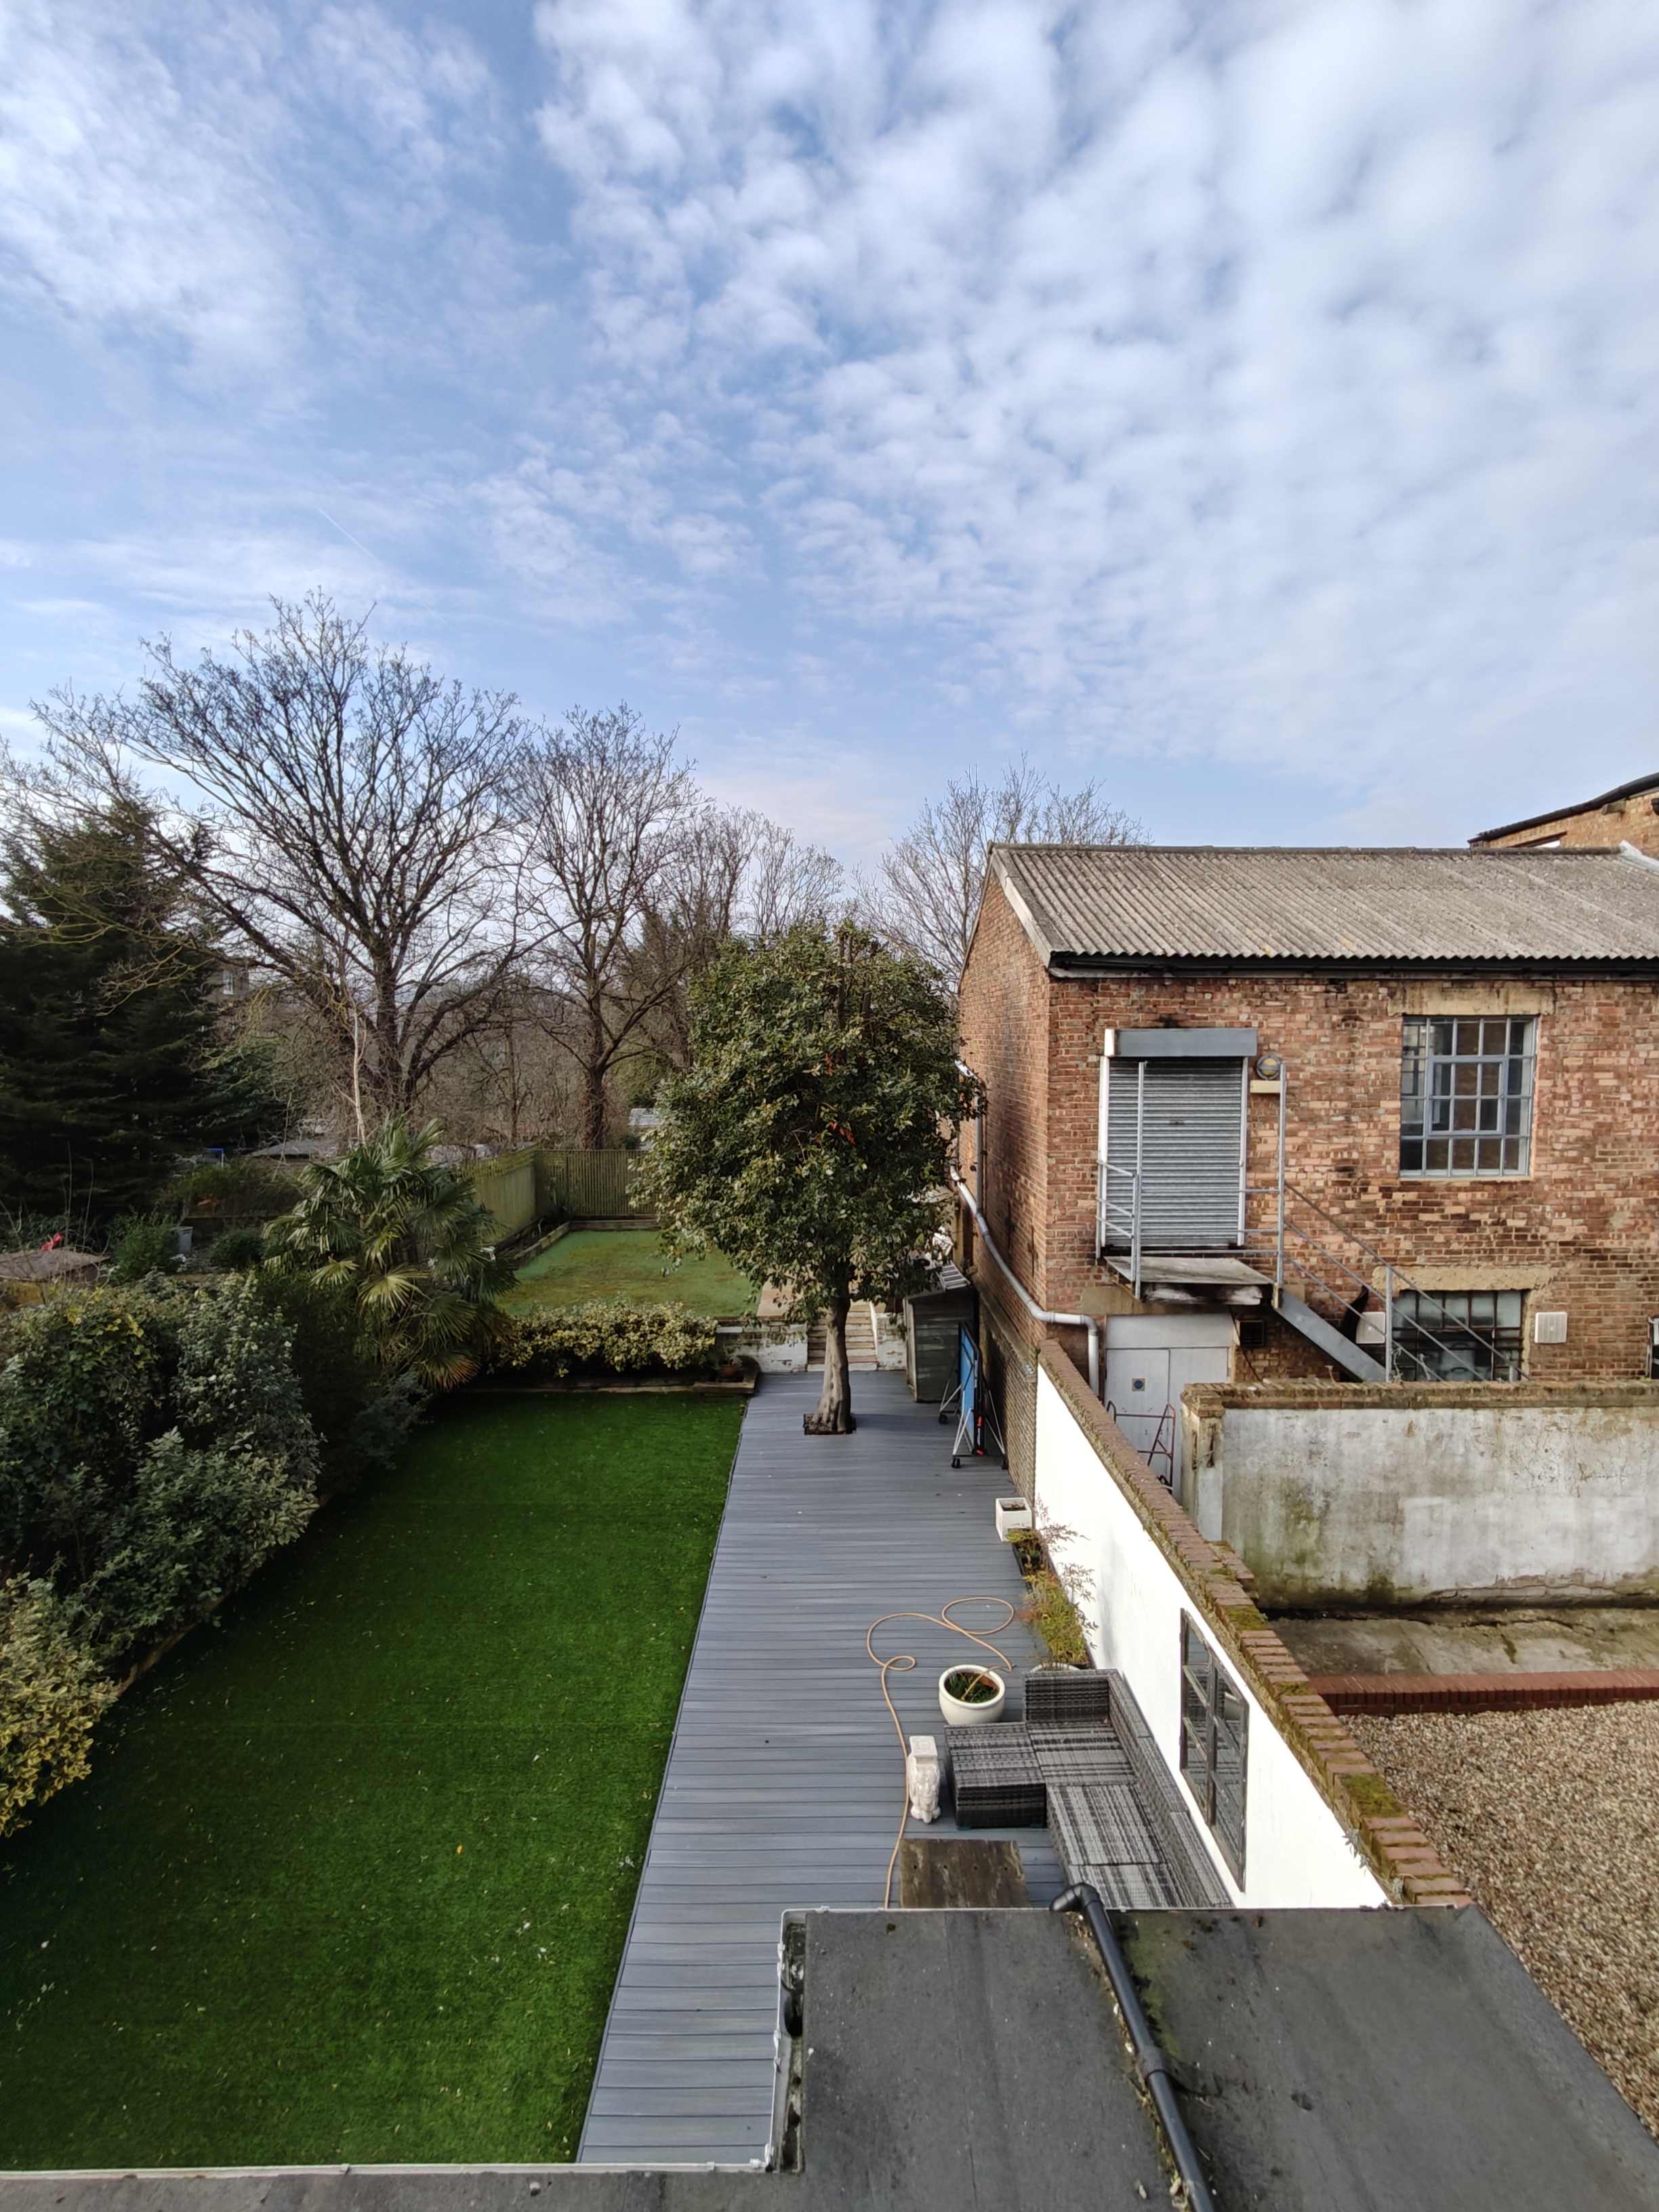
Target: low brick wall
1527,1692
1523,1493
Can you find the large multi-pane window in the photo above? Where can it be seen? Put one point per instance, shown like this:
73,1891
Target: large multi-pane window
1214,1722
1466,1097
1458,1336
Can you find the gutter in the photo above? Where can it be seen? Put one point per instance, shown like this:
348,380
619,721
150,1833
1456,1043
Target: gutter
1037,1312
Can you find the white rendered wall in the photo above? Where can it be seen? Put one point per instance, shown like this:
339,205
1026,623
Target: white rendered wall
1514,1504
1295,1850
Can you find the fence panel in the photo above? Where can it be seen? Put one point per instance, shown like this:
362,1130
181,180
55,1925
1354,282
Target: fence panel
586,1185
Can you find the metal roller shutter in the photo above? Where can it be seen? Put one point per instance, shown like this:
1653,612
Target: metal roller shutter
1191,1148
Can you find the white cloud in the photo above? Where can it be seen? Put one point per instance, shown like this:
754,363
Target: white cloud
1275,384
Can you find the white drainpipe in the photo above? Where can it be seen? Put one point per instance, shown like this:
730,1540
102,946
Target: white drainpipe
1037,1312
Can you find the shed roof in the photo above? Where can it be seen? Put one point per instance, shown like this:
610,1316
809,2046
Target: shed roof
1123,906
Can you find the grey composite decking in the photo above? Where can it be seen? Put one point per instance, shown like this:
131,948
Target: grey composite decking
785,1780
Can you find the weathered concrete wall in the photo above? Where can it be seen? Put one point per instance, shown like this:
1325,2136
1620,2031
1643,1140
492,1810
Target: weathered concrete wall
1432,1493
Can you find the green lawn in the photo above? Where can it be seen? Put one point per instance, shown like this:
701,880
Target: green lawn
351,1875
610,1263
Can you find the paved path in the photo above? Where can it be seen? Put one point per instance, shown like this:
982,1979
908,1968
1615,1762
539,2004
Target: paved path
784,1781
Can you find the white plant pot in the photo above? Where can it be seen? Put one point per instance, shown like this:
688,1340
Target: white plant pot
959,1715
1013,1518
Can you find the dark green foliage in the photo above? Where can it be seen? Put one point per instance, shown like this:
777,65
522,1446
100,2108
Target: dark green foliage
154,1447
110,1062
358,1416
240,1189
807,1137
144,1247
237,1250
265,1946
607,1336
406,1238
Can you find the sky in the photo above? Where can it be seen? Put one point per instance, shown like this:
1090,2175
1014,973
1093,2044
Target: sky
1256,406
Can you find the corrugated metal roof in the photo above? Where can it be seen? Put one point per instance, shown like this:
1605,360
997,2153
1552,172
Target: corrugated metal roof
1124,903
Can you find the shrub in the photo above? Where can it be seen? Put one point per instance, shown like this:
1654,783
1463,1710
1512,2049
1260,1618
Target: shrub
144,1248
154,1447
1054,1617
237,1250
360,1418
606,1336
240,1188
52,1693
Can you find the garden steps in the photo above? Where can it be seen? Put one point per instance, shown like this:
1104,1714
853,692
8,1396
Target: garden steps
861,1340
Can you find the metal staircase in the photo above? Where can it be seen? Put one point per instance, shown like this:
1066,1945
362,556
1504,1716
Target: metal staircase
1338,1290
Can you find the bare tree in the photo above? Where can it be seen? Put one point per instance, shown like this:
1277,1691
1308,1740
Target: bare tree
927,900
615,826
338,810
789,883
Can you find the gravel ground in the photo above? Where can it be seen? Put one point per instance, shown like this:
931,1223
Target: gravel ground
1551,1819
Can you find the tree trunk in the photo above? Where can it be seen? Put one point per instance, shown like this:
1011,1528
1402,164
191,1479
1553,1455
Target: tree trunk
834,1417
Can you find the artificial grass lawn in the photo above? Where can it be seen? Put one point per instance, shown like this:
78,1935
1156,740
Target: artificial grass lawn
350,1877
609,1263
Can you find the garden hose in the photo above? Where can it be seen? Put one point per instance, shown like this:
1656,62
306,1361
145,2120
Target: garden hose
902,1662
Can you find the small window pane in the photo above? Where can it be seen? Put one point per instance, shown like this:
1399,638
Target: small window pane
1214,1741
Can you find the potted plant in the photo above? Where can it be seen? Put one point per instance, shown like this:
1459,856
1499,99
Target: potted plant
969,1697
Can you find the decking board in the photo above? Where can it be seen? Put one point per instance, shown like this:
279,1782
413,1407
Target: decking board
784,1779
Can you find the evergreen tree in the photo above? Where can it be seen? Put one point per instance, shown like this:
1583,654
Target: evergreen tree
110,1061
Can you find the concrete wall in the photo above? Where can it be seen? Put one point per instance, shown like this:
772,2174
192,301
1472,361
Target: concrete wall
1297,1850
1431,1493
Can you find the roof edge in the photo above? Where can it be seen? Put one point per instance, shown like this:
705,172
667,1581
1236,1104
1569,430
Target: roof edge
1083,967
1565,813
1046,952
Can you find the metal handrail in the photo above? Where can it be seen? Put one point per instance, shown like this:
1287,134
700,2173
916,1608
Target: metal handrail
1105,1211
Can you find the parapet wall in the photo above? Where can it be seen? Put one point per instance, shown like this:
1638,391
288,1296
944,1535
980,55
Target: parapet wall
1435,1493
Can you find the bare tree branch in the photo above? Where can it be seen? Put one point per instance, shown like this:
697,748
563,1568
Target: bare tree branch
339,813
932,880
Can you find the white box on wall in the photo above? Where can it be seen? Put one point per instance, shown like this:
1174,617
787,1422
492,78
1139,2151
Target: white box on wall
1549,1328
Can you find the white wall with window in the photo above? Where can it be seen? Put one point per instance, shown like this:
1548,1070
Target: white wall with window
1137,1610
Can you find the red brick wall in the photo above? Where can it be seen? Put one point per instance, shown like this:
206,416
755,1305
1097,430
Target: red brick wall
1004,1043
1587,1217
1627,821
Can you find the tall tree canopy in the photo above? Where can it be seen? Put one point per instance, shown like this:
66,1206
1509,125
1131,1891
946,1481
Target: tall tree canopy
111,1061
808,1141
351,838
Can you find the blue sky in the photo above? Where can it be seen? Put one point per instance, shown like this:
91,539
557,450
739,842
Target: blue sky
1254,405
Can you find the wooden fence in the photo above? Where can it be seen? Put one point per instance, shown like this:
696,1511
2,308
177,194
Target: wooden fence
586,1185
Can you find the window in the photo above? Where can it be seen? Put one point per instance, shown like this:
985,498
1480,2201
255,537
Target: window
1458,1336
1466,1097
1214,1724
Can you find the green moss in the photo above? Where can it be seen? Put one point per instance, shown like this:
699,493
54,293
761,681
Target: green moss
350,1878
1372,1795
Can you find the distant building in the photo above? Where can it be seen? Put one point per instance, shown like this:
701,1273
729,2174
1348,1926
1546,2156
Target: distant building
1629,815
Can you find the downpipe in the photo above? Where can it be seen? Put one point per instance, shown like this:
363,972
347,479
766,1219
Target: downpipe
1037,1312
1151,2064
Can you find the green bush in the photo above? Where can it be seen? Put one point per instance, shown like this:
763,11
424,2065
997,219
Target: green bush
237,1187
144,1248
237,1250
606,1336
359,1417
52,1692
153,1448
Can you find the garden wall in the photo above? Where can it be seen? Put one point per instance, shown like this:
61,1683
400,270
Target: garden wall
1414,1494
1141,1566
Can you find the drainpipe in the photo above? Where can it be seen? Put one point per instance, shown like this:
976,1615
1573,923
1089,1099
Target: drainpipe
1037,1312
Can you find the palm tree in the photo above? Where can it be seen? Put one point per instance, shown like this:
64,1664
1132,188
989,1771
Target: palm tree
408,1237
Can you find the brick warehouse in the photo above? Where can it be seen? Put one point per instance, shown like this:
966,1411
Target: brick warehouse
1461,1048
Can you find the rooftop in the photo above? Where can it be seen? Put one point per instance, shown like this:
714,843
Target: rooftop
1101,906
1632,790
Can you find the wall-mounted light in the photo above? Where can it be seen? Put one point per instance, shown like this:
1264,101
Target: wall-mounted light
1269,1067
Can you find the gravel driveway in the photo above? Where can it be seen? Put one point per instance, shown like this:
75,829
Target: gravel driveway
1551,1819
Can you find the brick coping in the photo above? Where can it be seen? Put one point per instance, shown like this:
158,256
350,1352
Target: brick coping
1522,1692
1390,1839
1209,1399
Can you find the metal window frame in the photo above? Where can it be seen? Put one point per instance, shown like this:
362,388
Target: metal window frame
1446,1334
1208,1678
1429,1059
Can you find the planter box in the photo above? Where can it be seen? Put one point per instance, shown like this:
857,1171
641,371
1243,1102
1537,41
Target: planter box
1013,1518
